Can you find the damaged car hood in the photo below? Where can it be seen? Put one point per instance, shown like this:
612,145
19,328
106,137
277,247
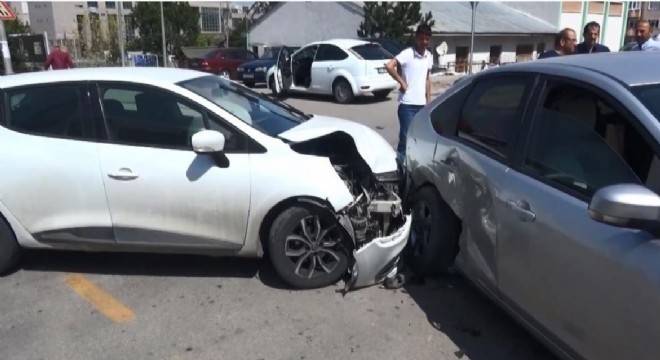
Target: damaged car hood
373,148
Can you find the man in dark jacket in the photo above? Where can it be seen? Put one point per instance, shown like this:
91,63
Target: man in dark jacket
58,59
564,44
590,44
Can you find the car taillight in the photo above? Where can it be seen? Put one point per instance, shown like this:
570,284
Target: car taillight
205,63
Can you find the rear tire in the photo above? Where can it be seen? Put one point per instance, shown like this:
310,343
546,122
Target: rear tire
307,259
342,91
10,252
436,230
382,94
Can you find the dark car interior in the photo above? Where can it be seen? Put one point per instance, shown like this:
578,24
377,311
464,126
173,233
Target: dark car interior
301,66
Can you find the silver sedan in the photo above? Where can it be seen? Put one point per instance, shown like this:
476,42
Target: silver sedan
538,182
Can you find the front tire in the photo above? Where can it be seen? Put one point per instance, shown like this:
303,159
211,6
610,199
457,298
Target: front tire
10,252
435,233
306,247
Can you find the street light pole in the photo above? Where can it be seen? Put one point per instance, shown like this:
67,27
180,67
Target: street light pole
162,27
120,31
6,57
473,4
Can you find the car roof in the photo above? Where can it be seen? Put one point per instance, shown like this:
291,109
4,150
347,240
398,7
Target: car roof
342,43
631,68
147,75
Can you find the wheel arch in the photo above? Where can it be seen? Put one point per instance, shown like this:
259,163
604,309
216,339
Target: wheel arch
345,75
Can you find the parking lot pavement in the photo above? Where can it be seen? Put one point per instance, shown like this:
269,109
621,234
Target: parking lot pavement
64,305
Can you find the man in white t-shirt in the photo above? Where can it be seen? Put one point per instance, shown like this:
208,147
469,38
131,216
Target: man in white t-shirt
415,64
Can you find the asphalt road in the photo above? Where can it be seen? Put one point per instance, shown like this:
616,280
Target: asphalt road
75,306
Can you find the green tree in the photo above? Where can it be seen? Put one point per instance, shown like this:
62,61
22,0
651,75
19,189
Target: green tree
181,25
15,27
393,20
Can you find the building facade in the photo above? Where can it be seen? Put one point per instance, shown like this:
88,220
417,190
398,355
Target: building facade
609,14
642,10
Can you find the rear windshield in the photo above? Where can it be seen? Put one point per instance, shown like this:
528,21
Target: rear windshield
371,52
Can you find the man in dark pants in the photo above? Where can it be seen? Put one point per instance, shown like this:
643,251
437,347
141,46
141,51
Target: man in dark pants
590,44
415,64
564,44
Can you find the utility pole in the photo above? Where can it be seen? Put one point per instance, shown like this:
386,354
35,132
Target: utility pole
120,31
474,13
162,27
227,16
6,56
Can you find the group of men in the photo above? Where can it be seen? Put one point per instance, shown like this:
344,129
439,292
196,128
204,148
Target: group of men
566,41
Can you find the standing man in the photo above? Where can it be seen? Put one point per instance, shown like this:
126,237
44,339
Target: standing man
415,64
564,44
643,38
590,44
58,59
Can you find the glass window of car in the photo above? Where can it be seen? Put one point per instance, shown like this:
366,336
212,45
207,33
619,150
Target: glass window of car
306,53
371,51
492,113
248,55
581,142
47,110
649,95
445,116
251,107
145,116
329,52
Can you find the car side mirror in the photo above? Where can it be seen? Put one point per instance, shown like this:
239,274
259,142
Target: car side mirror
626,205
208,142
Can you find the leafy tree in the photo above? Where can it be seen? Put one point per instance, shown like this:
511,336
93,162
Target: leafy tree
181,25
17,27
393,20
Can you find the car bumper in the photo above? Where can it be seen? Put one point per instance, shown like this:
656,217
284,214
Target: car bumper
378,260
257,77
367,85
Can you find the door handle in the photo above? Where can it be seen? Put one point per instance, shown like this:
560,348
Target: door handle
123,174
522,210
330,68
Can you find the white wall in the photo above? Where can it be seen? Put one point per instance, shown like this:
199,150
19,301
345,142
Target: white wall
573,21
482,46
612,37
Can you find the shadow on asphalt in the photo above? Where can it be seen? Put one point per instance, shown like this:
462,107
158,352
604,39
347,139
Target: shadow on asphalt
480,329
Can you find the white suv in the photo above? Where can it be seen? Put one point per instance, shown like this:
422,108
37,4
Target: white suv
344,68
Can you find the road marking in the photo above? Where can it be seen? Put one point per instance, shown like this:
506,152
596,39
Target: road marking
102,301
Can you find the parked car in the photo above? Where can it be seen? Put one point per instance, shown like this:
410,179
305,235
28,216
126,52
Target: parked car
254,72
539,182
219,61
179,161
343,68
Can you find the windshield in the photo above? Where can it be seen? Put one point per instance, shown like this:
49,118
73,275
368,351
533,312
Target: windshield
255,109
649,95
371,52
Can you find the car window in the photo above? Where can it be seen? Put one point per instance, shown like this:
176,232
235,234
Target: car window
306,53
580,142
649,95
249,55
145,116
53,110
371,52
492,113
445,116
329,52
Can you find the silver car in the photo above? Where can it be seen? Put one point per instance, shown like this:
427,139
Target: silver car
538,182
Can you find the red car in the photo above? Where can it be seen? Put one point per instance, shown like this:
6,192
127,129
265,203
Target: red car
219,61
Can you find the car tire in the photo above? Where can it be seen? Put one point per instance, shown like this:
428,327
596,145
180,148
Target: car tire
382,94
249,84
342,91
295,255
271,85
434,236
10,251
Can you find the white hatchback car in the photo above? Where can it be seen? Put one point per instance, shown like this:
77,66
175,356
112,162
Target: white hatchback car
344,68
180,161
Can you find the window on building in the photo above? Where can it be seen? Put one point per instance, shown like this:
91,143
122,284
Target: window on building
654,5
127,5
653,23
495,54
210,19
110,5
540,49
635,5
524,52
129,27
92,4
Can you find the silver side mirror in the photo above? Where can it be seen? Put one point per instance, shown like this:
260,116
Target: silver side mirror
208,142
626,205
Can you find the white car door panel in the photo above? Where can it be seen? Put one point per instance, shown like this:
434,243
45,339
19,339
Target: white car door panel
159,191
53,185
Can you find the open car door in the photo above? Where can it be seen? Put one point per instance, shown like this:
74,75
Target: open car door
283,71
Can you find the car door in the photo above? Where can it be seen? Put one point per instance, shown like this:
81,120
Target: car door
284,71
51,180
160,192
473,164
329,59
592,288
